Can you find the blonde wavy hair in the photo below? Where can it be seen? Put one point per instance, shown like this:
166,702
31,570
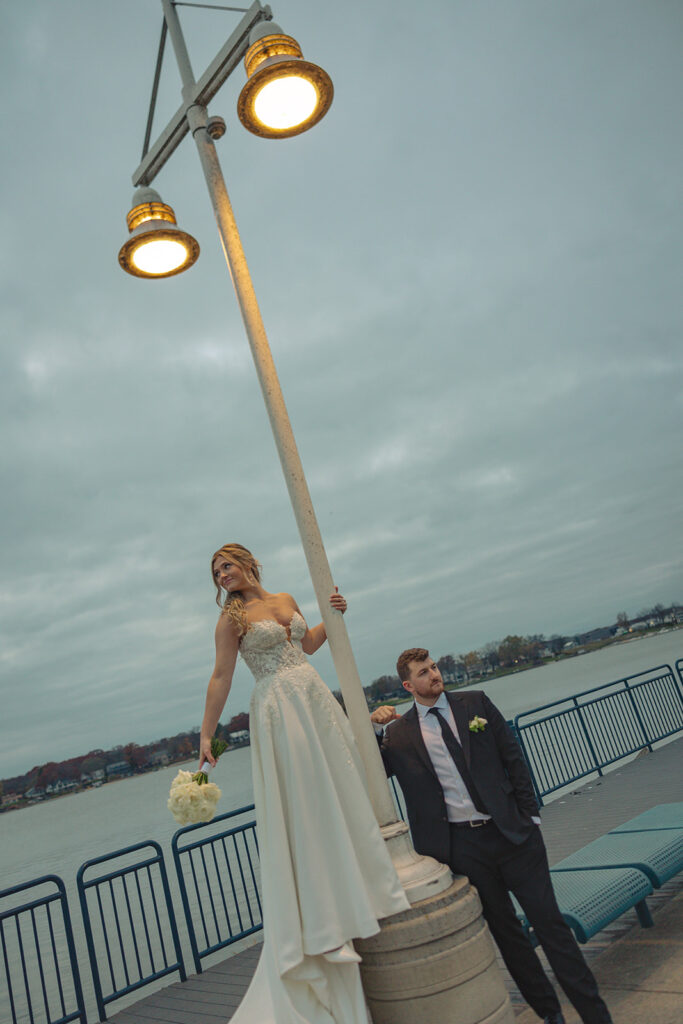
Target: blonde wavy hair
233,603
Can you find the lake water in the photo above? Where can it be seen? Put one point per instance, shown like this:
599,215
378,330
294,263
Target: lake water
59,835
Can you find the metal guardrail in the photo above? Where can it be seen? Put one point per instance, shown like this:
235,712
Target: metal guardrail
131,932
583,734
218,876
43,984
128,916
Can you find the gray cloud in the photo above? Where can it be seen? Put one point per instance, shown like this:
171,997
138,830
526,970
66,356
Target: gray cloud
470,277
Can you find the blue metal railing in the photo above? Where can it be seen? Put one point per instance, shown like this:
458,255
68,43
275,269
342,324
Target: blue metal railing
218,876
129,922
583,734
128,916
41,976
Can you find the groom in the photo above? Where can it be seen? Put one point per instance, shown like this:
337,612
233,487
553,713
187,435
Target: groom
471,805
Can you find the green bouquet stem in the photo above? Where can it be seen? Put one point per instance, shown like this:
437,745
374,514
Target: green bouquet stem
218,747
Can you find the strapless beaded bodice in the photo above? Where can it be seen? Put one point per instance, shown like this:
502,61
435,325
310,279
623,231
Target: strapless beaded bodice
269,651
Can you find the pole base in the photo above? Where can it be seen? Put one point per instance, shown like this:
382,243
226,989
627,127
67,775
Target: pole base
435,963
420,876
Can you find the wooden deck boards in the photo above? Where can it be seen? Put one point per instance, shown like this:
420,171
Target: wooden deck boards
212,996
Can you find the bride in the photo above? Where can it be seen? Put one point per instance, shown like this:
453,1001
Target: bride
326,875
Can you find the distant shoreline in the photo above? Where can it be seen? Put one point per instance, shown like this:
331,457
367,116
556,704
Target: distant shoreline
16,798
119,777
596,645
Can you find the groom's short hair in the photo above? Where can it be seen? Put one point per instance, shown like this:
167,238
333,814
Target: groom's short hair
404,660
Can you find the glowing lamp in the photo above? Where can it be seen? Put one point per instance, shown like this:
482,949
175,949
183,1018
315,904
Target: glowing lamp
156,247
284,94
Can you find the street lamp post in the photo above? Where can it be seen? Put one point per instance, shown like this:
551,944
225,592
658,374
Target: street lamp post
473,988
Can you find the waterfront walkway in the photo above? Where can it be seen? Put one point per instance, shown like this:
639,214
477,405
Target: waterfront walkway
640,971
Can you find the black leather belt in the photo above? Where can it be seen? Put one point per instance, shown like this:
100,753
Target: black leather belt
477,823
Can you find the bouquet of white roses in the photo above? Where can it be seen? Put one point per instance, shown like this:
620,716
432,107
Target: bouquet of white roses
193,798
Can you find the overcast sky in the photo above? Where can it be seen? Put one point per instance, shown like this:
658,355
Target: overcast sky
470,273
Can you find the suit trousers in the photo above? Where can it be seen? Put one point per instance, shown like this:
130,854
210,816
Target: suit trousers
497,866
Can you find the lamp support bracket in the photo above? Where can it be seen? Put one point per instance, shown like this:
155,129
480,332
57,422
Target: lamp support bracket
202,92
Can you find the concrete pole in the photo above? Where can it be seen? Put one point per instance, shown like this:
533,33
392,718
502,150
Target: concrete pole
349,680
316,558
442,924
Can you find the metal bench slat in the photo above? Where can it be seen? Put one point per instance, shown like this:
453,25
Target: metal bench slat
663,816
659,854
592,899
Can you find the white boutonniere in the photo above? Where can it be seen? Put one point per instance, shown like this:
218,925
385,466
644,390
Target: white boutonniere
478,724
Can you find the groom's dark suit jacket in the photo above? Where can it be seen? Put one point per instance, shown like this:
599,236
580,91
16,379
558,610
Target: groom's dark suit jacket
493,757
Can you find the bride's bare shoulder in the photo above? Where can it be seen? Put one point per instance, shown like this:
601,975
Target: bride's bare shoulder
225,622
292,606
226,631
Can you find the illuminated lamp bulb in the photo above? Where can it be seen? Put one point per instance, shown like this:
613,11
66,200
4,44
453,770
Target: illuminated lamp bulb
284,94
156,247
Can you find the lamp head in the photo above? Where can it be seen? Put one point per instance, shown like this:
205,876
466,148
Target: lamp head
284,94
156,247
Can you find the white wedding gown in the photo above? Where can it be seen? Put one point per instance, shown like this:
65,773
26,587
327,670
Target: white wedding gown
326,876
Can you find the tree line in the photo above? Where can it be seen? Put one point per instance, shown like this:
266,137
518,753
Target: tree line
86,769
513,653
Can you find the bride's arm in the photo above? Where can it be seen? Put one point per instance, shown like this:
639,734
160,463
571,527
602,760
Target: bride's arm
227,645
315,636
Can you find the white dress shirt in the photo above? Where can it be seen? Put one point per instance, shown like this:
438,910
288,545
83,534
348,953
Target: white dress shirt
459,806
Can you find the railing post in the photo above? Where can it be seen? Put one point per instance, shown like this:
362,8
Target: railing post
522,743
636,712
71,946
171,914
90,943
597,766
679,669
186,905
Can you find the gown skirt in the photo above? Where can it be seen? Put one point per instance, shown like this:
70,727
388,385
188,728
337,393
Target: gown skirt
326,875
